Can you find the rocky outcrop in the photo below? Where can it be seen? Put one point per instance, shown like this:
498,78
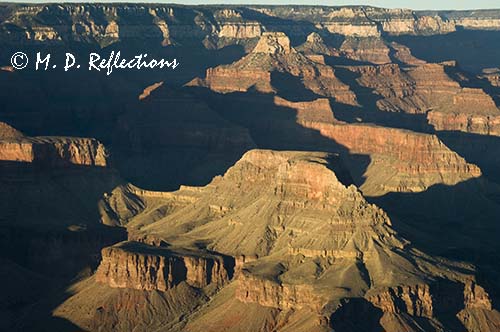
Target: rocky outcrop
403,54
140,266
492,75
147,91
315,45
240,31
273,43
472,23
304,186
472,307
233,25
371,50
415,300
268,293
476,297
274,56
422,149
223,80
54,151
420,25
8,132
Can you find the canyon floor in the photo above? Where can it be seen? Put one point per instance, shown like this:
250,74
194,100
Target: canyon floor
304,169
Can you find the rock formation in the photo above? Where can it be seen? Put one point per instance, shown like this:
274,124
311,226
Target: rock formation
290,258
394,167
139,266
306,168
50,151
170,24
315,46
370,49
427,88
273,54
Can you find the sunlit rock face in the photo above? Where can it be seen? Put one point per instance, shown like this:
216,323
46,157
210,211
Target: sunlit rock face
170,24
50,151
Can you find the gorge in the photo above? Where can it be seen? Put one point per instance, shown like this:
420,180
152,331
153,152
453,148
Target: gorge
303,168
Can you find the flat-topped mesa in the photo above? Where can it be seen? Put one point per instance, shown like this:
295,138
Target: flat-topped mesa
54,151
140,266
273,43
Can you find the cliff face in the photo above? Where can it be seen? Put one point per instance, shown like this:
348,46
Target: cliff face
401,160
415,300
50,151
139,266
271,294
429,89
477,124
105,24
424,301
54,151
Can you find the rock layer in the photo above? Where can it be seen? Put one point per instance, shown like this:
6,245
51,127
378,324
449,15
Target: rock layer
54,151
139,266
429,89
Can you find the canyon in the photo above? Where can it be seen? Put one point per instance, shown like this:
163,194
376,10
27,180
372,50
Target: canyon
305,168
